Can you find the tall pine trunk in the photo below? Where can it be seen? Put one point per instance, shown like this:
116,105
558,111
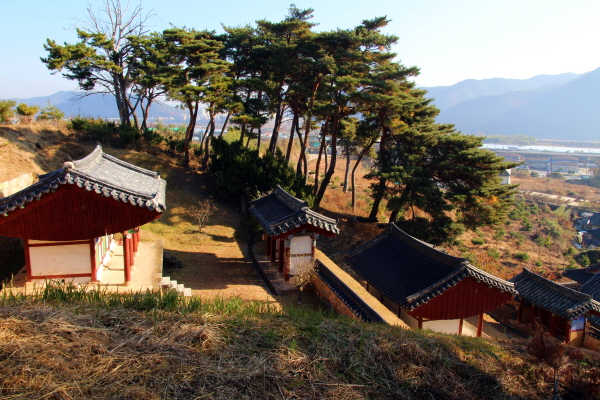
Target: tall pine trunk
332,164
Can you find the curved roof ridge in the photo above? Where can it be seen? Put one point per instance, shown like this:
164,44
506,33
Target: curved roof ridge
89,160
574,294
426,248
293,202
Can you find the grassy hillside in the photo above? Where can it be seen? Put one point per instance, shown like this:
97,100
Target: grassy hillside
69,346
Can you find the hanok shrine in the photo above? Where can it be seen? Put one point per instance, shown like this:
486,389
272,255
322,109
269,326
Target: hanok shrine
67,218
561,310
291,229
425,287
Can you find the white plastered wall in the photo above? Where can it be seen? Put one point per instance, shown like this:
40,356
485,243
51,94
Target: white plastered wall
300,252
409,319
60,260
443,325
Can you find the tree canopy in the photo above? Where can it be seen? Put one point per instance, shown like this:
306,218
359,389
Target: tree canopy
345,84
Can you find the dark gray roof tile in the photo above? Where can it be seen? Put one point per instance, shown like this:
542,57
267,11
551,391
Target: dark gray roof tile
411,272
102,173
552,296
280,212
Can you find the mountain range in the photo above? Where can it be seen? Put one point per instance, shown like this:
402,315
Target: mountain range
99,106
560,107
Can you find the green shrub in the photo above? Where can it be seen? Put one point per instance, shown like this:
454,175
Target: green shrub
127,134
493,253
78,124
539,263
50,113
521,256
478,241
7,112
499,233
534,174
152,137
555,175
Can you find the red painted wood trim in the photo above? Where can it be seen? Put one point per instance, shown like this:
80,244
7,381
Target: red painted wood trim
93,260
567,333
268,245
281,254
553,325
60,243
273,253
61,276
286,264
308,228
460,326
479,325
126,257
73,213
420,326
27,259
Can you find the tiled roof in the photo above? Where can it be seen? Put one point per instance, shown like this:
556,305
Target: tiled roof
579,275
592,287
411,272
595,232
101,173
553,297
280,212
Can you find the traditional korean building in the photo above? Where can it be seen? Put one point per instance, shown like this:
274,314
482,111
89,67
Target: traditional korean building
68,217
559,309
291,229
425,287
582,275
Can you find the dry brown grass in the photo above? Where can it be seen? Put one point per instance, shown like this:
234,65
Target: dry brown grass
74,352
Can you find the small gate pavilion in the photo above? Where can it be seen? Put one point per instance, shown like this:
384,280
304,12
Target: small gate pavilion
291,229
68,217
563,311
425,287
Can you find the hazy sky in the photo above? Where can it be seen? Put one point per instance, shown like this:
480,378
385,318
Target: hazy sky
448,40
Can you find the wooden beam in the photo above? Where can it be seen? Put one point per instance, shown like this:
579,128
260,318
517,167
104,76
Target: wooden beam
126,258
93,260
281,254
268,244
273,253
27,259
479,325
460,326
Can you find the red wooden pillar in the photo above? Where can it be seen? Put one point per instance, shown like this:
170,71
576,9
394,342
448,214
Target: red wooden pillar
552,325
568,332
27,259
460,325
286,263
281,254
268,244
420,326
533,312
273,251
127,257
93,260
136,239
520,312
131,252
479,325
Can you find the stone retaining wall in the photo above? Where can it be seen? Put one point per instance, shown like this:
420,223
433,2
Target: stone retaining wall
366,301
16,184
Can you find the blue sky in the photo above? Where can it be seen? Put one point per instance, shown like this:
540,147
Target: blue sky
448,40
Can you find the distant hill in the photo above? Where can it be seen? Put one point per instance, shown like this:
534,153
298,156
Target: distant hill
448,96
100,106
558,107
